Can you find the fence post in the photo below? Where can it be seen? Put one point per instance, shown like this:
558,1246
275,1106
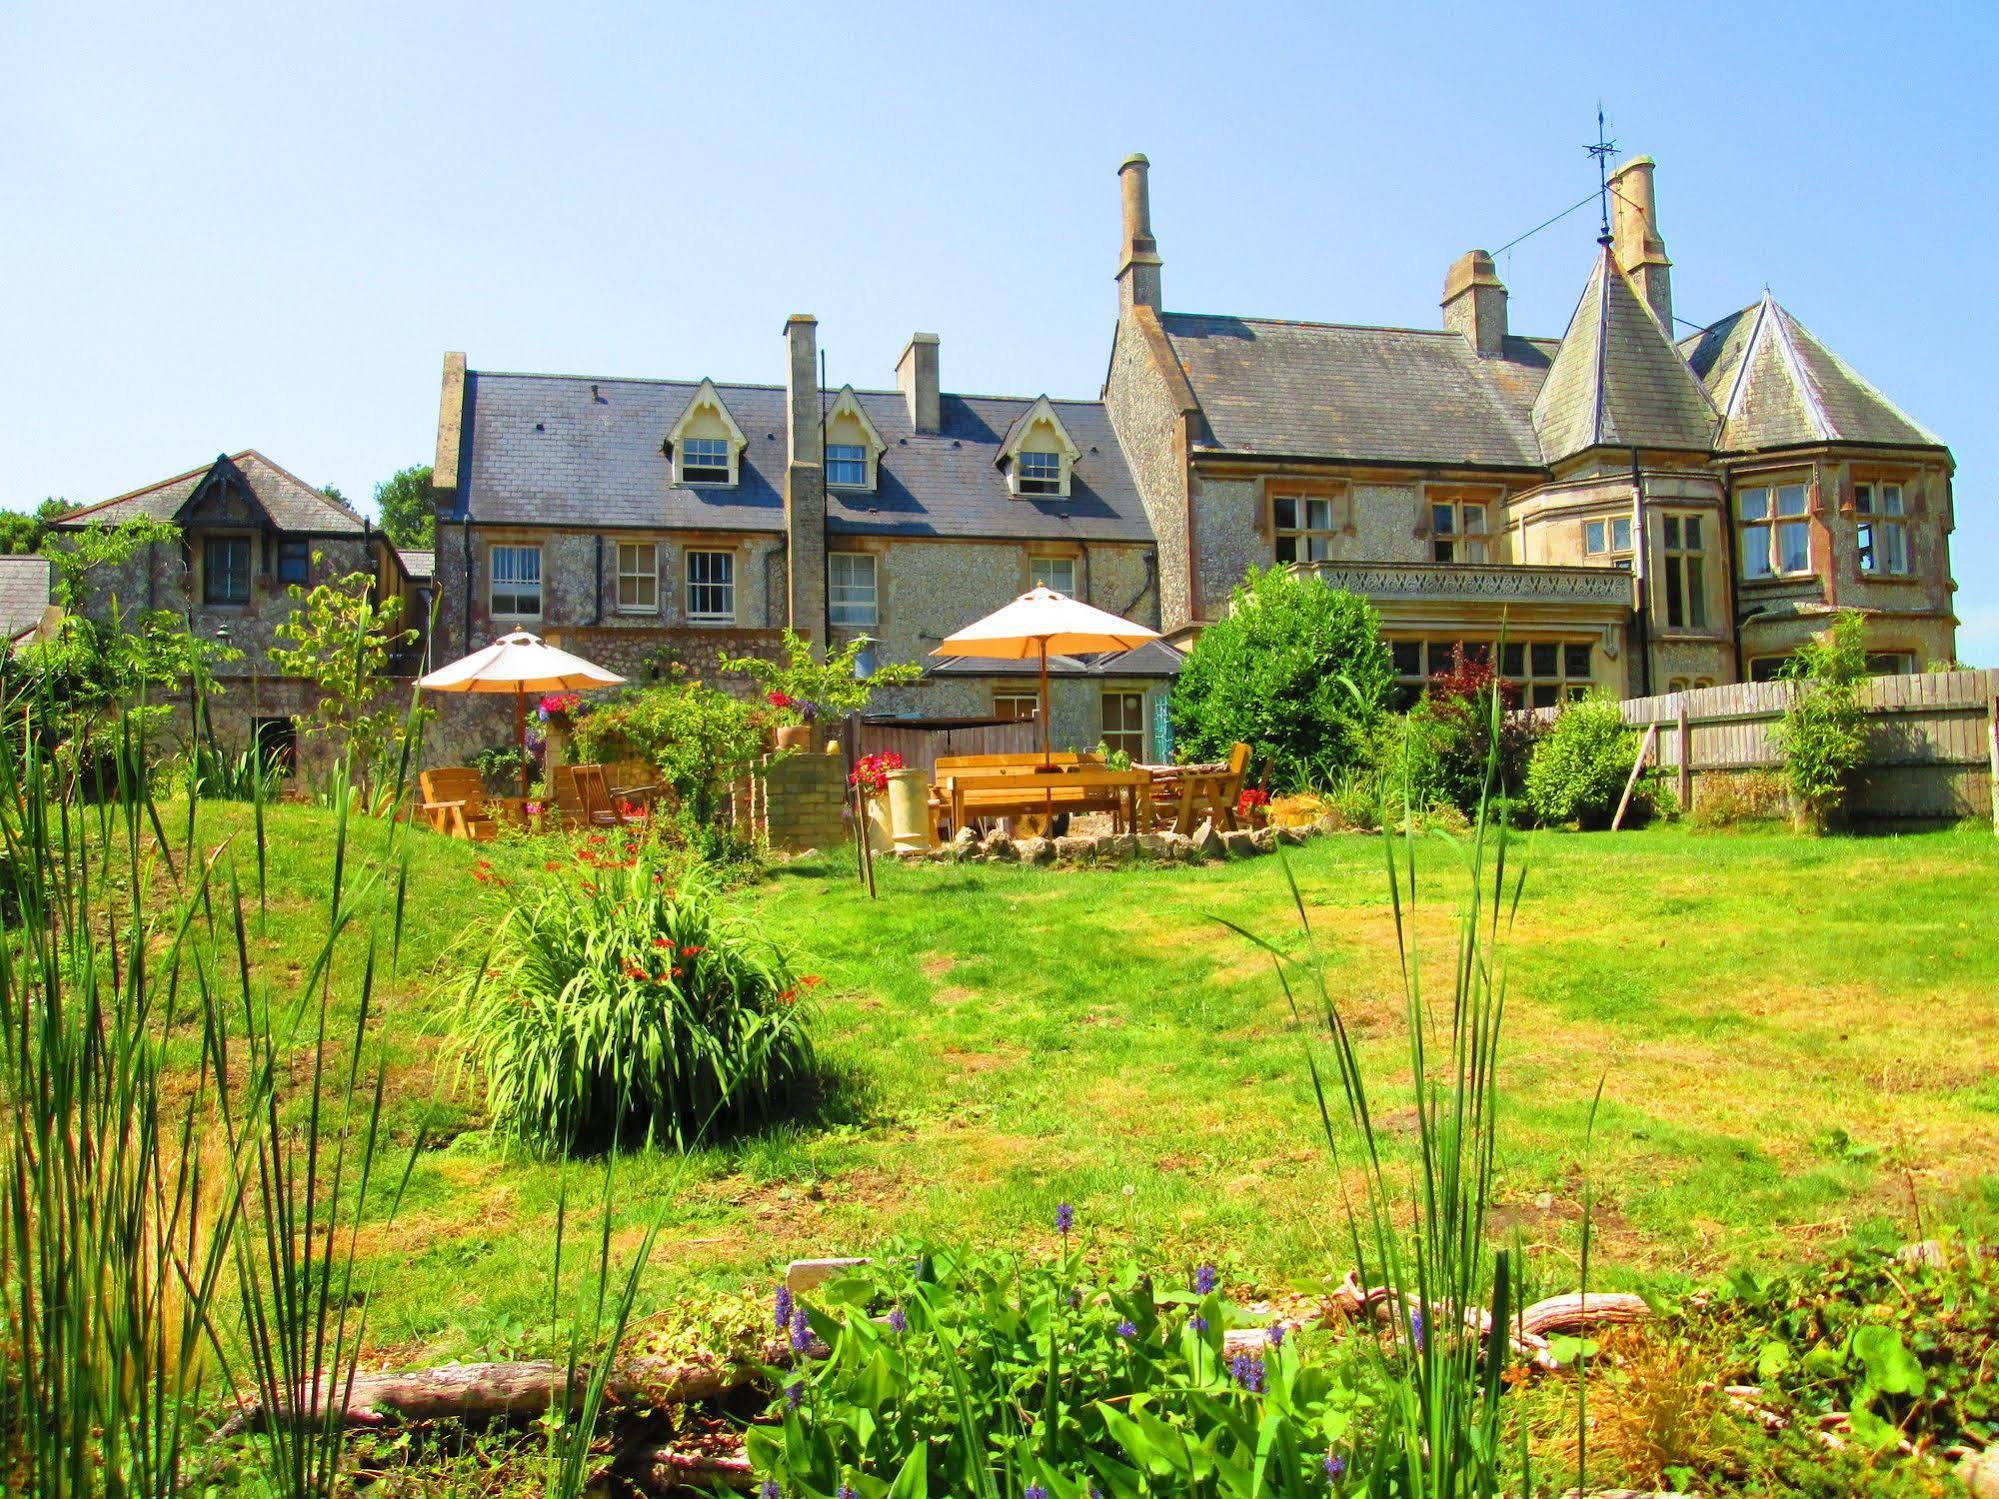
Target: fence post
1992,750
1686,761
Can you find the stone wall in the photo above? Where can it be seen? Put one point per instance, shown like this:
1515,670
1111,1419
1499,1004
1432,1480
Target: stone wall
1150,430
800,802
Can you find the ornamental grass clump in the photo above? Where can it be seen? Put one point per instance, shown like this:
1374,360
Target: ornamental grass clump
620,1004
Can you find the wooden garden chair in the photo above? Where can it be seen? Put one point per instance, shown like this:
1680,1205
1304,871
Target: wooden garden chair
454,799
597,807
1216,786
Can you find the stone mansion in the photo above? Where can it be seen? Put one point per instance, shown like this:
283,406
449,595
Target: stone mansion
1642,512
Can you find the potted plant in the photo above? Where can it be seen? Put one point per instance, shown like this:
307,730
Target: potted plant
1253,806
796,719
871,779
806,692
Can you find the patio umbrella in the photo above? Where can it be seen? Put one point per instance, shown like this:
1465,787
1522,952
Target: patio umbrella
520,664
1041,621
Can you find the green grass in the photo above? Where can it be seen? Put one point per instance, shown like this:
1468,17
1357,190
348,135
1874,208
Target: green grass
1795,1037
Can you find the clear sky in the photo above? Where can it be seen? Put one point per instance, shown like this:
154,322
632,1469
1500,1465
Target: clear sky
261,226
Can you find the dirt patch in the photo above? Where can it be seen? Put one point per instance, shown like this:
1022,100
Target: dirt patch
969,1063
934,965
954,994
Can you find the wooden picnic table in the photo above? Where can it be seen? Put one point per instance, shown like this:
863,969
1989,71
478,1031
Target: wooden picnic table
1018,791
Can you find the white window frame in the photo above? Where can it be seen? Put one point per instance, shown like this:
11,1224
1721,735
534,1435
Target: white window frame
1456,524
856,455
1042,567
727,466
1042,482
846,604
515,585
1761,532
1684,551
644,570
703,561
1607,536
1881,534
1303,525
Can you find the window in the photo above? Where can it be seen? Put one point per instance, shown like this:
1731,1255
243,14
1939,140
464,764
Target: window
846,465
225,570
1304,527
516,590
294,561
850,588
705,460
1776,537
1015,705
1124,723
1767,668
1884,539
1058,573
1547,672
1457,532
1891,663
638,577
711,586
1686,564
1038,472
1607,537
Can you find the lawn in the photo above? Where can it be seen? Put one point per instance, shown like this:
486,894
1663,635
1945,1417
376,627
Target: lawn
1795,1040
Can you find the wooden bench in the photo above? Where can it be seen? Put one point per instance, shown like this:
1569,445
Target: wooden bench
1187,789
454,799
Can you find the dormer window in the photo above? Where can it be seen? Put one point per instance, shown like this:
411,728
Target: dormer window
706,444
846,465
853,446
1039,473
1038,454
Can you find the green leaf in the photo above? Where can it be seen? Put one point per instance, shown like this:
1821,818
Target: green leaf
1889,1365
913,1482
1772,1360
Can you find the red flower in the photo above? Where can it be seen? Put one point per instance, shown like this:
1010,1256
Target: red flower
1252,796
553,865
780,700
788,996
676,973
662,942
870,774
632,970
812,981
688,952
588,888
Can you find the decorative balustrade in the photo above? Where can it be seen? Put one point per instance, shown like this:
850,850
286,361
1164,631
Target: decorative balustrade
1472,580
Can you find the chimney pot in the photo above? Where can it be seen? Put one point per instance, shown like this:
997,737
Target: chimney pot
916,377
1139,263
1475,302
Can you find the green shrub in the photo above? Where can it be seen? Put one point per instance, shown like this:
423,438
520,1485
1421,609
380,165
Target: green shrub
1581,765
1822,735
1451,736
1296,670
1723,799
619,1004
697,737
988,1375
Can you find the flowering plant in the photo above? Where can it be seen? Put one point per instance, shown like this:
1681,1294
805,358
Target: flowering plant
870,775
557,705
1252,798
784,702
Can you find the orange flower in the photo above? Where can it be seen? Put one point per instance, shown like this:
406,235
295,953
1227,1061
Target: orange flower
662,942
676,973
688,952
812,981
553,865
588,888
789,996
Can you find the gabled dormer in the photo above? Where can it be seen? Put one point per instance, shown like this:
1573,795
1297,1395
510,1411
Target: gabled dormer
853,446
705,444
1038,455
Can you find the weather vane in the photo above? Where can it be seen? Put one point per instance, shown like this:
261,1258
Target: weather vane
1602,152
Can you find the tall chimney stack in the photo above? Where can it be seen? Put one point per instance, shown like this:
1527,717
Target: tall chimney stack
1139,262
1635,239
804,482
916,377
1475,302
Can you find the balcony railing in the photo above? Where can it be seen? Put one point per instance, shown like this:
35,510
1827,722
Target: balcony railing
1475,580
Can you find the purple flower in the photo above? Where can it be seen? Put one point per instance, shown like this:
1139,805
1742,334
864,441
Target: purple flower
1127,1328
1335,1466
845,1491
1204,1279
1198,1323
1416,1329
794,1394
1275,1336
783,1306
1035,1491
769,1490
801,1331
1065,1219
898,1319
1246,1369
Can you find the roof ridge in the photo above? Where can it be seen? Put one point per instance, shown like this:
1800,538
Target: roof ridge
1791,321
1282,322
1602,344
1807,386
724,385
133,494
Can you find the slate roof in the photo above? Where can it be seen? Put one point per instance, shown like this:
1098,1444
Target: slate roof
421,566
1330,390
1617,380
1778,386
566,450
24,593
292,504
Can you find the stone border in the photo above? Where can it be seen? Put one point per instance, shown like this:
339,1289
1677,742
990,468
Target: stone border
1205,844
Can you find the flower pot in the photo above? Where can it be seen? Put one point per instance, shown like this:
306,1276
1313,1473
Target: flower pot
881,832
909,809
794,736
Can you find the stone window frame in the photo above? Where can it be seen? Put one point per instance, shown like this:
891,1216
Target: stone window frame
1338,500
1773,522
728,584
1602,530
1689,684
1459,532
1871,526
1541,686
209,540
516,588
1038,560
1686,566
640,572
873,605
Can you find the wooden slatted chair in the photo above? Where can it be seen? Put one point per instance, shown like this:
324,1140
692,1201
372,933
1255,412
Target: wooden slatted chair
454,799
598,807
1213,787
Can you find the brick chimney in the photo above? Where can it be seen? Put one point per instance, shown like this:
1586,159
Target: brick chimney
1138,262
1475,302
1635,237
804,482
916,377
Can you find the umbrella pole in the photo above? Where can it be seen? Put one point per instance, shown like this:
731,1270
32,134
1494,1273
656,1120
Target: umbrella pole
1044,703
521,736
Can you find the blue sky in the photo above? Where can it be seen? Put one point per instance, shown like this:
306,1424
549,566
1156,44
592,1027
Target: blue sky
261,226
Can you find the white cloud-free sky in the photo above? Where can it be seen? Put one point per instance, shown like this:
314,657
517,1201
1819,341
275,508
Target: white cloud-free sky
230,226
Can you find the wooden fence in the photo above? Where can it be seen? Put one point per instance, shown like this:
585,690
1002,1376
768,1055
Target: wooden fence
921,741
1932,741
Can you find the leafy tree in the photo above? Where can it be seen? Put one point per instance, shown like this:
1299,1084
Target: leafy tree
1451,736
342,641
696,736
404,503
1582,763
1296,670
332,492
829,687
25,532
1823,732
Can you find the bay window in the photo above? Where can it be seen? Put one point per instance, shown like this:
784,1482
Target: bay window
1775,535
1882,533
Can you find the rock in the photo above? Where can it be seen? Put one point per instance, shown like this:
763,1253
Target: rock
1979,1472
1264,840
1160,846
1239,843
804,1275
1075,850
1000,849
965,835
1205,841
1035,850
962,850
1116,846
1293,836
